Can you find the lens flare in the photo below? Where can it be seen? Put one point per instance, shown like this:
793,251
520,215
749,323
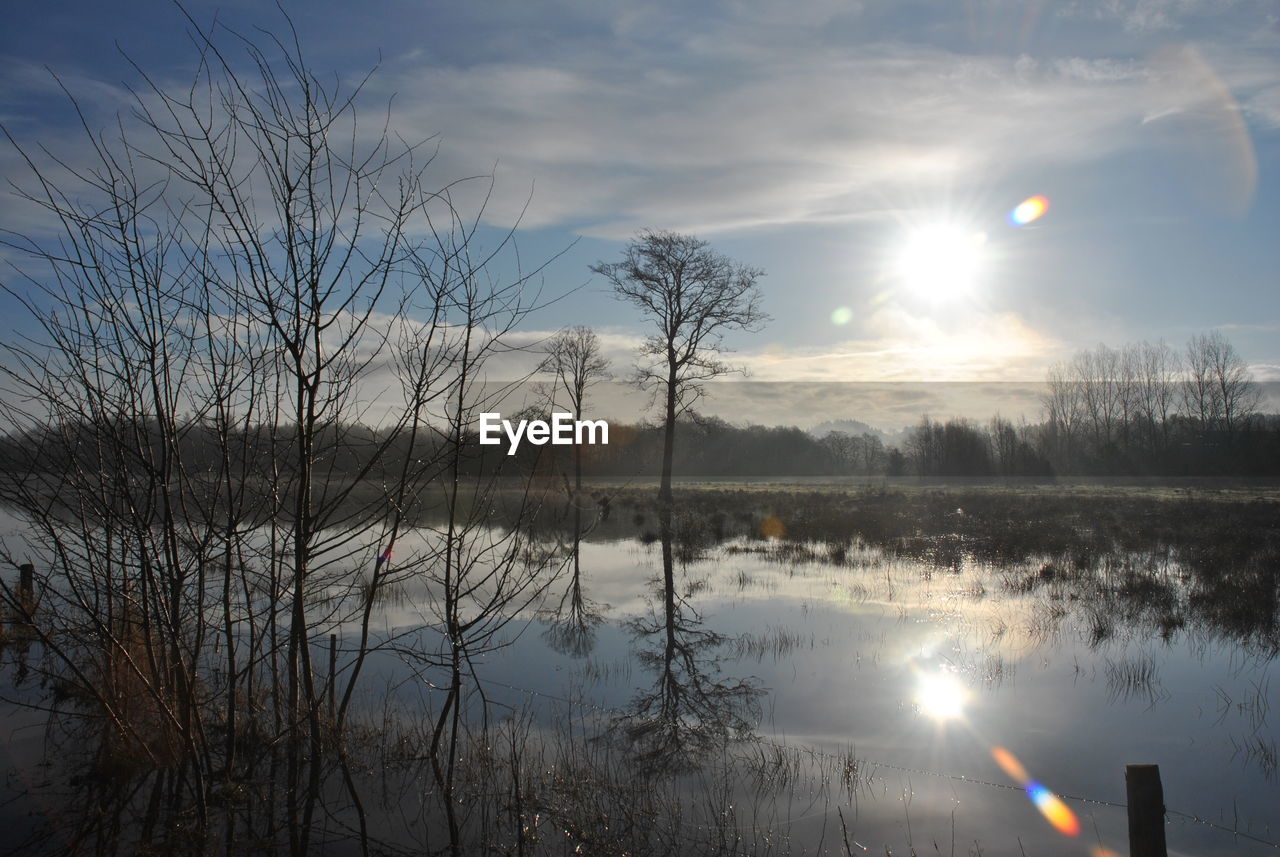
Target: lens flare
1049,804
772,528
1010,765
1052,808
841,316
1218,163
1029,210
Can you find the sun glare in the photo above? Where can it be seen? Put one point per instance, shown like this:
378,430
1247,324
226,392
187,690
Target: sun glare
941,696
941,261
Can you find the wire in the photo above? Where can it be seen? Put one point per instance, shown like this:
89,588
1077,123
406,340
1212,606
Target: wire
1191,817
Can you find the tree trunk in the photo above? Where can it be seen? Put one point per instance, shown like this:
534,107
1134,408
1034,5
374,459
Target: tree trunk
668,442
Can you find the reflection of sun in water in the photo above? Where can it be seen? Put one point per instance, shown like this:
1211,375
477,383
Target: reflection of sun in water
941,261
941,696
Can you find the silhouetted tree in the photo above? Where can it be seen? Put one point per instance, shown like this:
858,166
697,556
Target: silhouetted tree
1142,409
575,362
692,296
213,296
953,448
1219,390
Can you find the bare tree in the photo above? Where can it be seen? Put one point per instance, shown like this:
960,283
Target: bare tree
692,295
1200,400
1064,412
1158,369
229,277
1097,372
1218,390
1128,390
574,359
1128,400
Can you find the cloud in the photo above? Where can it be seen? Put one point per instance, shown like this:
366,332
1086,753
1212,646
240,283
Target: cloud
911,367
737,115
743,116
506,363
901,346
1160,16
737,140
886,406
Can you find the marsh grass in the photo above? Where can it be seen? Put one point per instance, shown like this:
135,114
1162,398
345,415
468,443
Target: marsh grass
1123,565
1170,557
777,643
1133,678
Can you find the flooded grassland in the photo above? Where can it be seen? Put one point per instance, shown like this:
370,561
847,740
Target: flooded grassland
767,670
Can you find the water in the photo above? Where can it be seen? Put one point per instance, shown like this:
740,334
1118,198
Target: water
848,659
837,691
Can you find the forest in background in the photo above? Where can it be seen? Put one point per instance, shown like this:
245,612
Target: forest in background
711,446
1139,410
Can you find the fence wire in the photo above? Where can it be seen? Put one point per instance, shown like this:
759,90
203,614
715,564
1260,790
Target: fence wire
813,751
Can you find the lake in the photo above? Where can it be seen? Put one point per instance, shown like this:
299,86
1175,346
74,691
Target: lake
843,671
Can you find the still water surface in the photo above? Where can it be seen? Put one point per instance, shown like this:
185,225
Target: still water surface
919,672
866,693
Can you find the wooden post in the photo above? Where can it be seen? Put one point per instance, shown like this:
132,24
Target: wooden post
333,674
27,589
1146,811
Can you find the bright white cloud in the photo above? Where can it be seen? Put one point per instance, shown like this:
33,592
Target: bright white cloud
901,346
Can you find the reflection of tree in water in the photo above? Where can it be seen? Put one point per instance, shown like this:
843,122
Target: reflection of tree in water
103,791
572,622
97,791
691,709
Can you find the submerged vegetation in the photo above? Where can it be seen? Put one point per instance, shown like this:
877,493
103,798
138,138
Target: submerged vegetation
224,290
682,764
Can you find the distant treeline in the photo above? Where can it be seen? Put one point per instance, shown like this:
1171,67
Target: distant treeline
703,447
714,447
1186,448
1140,410
955,447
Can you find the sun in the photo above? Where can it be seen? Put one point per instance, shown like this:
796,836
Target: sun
941,261
941,696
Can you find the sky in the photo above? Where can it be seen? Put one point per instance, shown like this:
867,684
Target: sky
865,154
